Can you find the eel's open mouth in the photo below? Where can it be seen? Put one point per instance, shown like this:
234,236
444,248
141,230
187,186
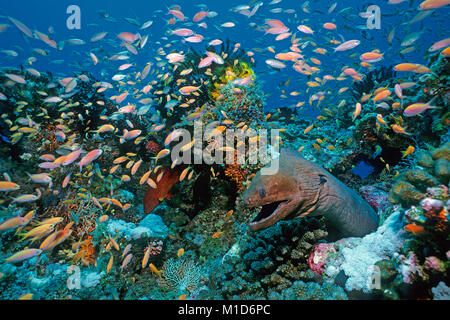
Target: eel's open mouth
267,211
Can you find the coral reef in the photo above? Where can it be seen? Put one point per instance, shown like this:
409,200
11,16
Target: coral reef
310,291
151,226
182,275
431,169
356,257
270,260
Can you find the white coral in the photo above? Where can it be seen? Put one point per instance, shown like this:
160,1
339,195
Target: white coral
441,292
382,244
182,274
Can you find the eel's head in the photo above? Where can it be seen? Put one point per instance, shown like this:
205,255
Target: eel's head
277,194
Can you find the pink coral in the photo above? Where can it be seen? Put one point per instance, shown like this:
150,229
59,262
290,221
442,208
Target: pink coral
319,256
433,263
410,268
432,205
153,146
155,247
377,196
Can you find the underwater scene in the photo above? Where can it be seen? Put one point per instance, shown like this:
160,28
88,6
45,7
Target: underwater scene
225,150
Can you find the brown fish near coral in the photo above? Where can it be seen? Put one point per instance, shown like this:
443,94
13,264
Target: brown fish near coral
301,188
162,191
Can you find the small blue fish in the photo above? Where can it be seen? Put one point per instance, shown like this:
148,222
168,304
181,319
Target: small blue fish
377,152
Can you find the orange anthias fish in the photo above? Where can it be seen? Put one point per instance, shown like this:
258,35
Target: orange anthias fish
415,229
162,191
217,234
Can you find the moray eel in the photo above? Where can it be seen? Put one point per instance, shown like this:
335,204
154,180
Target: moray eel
301,188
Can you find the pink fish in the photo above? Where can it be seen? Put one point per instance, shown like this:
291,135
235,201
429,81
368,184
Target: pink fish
243,81
72,157
66,180
433,4
126,261
183,32
200,16
24,198
188,89
52,100
175,57
125,66
277,30
127,109
15,78
418,108
49,165
350,72
89,157
347,45
127,37
21,27
274,23
129,135
178,14
406,85
23,255
13,223
122,97
283,36
197,38
40,178
398,91
130,48
205,62
98,36
439,45
46,39
305,29
215,42
47,157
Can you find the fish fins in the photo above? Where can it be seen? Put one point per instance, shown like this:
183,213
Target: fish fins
169,195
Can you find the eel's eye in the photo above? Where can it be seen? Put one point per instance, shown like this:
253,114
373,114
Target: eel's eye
262,192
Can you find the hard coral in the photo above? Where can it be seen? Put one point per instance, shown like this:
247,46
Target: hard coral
271,259
315,291
411,185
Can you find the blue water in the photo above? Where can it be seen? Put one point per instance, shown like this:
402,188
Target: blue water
41,15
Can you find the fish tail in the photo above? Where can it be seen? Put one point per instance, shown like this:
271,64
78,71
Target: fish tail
24,237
